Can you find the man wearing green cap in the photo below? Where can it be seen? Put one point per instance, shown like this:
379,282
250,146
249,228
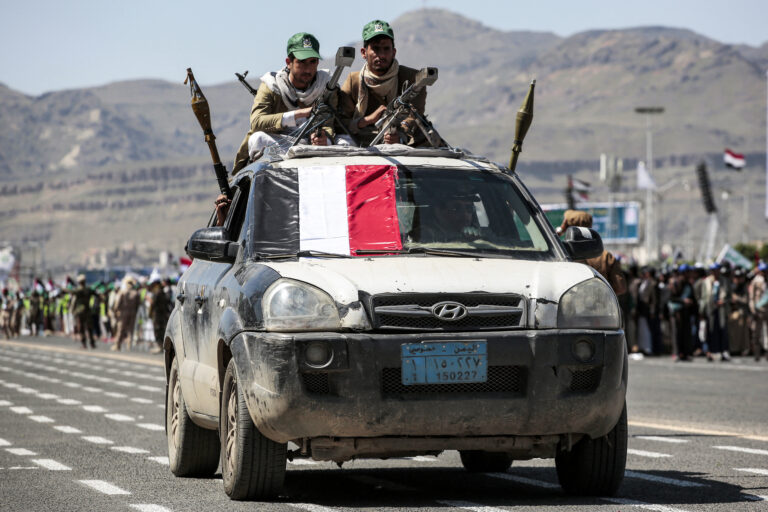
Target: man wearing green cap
366,93
284,99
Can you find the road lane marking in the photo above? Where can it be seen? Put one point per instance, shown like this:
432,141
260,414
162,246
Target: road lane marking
67,429
662,439
645,506
151,426
27,391
662,479
690,429
653,455
91,355
150,508
51,465
5,403
41,419
151,389
22,452
21,410
94,408
468,505
756,471
160,460
103,487
119,417
524,480
69,401
3,442
91,389
47,396
115,394
753,451
141,400
73,384
97,440
302,462
128,449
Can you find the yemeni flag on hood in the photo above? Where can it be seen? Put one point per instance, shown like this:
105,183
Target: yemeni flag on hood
331,208
734,160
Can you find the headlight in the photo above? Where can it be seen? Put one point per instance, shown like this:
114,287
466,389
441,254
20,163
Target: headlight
296,306
589,305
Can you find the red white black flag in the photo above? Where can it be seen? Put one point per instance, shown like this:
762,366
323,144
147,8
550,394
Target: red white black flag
580,188
734,160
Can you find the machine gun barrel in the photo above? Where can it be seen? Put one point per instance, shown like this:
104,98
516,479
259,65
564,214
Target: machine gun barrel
246,84
203,114
522,123
425,77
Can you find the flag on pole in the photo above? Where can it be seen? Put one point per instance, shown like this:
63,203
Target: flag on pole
580,188
644,178
734,160
184,264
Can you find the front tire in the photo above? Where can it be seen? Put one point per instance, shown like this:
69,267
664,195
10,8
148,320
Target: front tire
192,450
595,467
252,466
476,461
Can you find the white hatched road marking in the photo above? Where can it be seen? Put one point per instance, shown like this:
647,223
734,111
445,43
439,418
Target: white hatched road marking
151,426
756,471
645,506
91,389
468,505
23,452
97,440
67,429
524,480
94,408
73,384
47,396
103,487
128,449
150,508
41,419
662,439
21,410
115,394
662,480
51,465
27,391
160,460
3,442
119,417
302,462
311,507
69,401
5,403
653,455
141,400
753,451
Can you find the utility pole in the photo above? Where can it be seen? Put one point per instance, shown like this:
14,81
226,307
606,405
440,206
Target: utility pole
651,238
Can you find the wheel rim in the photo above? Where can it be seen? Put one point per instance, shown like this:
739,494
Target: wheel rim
175,411
231,428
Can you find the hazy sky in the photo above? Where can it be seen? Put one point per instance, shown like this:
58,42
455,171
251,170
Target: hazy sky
50,45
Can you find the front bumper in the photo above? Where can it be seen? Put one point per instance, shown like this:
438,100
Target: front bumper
539,388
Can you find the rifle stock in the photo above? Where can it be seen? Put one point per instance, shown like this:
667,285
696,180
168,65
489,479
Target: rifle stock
203,114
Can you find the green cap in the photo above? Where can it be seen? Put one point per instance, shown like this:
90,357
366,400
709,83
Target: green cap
377,28
303,46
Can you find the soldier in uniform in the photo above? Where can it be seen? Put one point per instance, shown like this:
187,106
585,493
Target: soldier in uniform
125,308
159,311
284,99
366,93
81,309
606,264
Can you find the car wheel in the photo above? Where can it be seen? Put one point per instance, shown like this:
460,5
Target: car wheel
476,461
595,467
192,450
252,466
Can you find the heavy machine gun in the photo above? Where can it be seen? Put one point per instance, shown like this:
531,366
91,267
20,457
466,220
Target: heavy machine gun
245,83
401,107
203,114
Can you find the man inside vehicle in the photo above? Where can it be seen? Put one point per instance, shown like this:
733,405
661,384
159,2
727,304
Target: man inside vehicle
366,93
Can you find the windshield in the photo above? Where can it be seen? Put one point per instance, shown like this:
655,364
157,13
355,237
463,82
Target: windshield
384,209
466,211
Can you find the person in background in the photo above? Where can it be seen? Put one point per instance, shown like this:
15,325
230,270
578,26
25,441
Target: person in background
80,306
125,307
159,311
758,306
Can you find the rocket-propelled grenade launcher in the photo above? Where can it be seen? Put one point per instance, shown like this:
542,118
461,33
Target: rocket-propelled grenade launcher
522,123
203,114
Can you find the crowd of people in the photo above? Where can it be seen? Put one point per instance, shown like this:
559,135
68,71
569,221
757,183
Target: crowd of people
691,310
127,313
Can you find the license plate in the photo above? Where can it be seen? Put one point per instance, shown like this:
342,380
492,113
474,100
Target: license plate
444,362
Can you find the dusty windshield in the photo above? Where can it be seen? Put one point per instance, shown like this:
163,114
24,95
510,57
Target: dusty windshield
465,211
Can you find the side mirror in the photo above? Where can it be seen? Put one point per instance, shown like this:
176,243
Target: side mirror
212,244
583,243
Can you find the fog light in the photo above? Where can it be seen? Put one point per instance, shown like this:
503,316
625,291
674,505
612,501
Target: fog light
318,354
584,350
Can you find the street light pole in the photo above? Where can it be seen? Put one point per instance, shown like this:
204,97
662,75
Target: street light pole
651,243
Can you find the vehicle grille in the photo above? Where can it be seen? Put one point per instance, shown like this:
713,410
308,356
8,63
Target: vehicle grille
501,379
585,380
316,383
413,312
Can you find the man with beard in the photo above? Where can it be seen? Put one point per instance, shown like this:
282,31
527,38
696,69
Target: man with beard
366,93
284,100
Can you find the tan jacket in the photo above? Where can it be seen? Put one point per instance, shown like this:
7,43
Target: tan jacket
610,269
349,95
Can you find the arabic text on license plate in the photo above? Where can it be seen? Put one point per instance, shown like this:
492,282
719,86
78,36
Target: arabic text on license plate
444,362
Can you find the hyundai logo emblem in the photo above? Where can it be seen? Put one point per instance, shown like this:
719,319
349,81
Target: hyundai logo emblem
449,311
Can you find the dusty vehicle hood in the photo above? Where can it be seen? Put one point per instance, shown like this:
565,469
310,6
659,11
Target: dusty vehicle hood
541,282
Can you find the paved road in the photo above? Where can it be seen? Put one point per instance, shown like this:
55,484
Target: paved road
83,430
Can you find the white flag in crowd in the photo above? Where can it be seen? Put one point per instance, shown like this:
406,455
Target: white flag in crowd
644,178
734,160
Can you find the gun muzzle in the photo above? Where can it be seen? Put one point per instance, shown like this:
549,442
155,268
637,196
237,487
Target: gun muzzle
425,77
